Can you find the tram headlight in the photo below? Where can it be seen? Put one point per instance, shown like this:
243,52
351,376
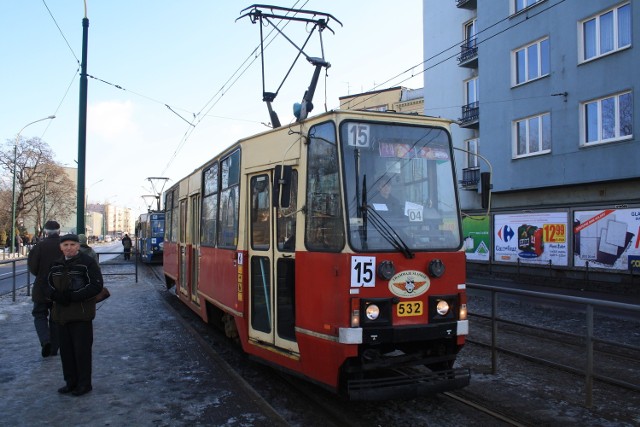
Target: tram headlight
442,307
372,312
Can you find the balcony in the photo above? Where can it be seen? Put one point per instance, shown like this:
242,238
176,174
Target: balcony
467,4
468,54
470,178
470,116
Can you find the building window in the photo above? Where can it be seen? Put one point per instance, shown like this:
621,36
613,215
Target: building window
531,62
605,33
532,135
471,147
471,89
607,119
523,4
470,34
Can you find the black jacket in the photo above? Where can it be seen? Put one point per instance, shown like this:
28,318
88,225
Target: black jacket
40,259
80,280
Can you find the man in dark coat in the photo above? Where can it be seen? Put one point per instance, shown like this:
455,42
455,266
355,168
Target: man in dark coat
126,243
39,262
74,281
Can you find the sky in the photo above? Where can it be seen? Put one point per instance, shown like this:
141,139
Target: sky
175,82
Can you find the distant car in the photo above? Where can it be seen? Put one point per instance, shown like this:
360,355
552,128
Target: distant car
107,239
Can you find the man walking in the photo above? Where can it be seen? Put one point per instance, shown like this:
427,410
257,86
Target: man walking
41,257
126,243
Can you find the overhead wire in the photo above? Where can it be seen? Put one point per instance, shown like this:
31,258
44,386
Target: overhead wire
455,54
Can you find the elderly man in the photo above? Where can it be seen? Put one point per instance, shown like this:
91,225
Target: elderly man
74,281
39,262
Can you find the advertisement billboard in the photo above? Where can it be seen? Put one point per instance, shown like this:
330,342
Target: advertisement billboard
607,238
534,238
476,232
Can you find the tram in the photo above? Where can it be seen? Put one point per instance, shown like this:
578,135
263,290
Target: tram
150,237
286,241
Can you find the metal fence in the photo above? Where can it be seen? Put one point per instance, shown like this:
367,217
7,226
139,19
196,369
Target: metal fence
589,339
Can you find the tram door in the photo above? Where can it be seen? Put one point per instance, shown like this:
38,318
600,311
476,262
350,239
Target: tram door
182,248
194,252
271,269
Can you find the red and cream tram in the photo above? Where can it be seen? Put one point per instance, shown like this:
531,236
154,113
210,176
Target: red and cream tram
287,241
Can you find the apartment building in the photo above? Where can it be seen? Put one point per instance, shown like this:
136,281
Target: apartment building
545,95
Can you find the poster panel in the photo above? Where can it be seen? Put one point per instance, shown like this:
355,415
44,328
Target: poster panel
534,238
606,238
476,232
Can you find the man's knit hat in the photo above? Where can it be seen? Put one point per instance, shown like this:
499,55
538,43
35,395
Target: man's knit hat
51,227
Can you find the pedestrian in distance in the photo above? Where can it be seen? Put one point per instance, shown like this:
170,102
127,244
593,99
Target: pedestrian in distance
126,243
74,281
39,262
85,248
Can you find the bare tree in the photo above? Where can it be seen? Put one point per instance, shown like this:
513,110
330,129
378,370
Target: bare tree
42,186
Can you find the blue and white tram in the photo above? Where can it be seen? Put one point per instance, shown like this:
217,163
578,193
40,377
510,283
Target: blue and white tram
150,237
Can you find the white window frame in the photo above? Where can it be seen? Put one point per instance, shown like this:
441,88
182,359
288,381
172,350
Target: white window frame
469,38
597,103
598,36
526,5
473,95
540,73
528,132
471,147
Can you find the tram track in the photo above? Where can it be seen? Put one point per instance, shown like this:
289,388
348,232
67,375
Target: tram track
523,393
298,402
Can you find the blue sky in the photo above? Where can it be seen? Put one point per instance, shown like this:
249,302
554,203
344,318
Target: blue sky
180,53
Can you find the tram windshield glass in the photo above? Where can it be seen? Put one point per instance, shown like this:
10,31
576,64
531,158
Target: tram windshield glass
157,227
399,187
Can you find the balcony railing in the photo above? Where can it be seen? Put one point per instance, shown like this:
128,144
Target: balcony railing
470,178
470,115
468,53
467,4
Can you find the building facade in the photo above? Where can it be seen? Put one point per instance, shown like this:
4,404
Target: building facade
544,93
400,99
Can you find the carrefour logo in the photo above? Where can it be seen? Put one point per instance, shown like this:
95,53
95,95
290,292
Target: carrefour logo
506,233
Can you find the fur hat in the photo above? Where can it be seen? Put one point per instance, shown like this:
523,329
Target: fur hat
82,238
69,237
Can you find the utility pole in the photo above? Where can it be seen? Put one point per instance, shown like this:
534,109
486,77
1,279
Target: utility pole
82,128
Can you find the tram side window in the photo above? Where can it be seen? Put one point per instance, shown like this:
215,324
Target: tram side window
209,206
287,219
229,201
175,221
260,212
324,226
168,206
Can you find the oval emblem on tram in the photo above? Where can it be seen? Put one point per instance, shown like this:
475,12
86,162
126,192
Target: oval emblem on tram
409,284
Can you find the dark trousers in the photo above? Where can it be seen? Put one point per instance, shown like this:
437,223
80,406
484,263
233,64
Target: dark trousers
45,328
76,340
127,253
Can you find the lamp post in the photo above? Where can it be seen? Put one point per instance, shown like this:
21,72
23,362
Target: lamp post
13,194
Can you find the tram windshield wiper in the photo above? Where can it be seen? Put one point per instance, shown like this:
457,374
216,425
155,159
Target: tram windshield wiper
388,232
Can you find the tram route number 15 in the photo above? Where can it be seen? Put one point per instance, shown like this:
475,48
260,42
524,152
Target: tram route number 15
363,271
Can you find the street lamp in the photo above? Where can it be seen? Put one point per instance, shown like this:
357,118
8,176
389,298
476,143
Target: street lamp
13,194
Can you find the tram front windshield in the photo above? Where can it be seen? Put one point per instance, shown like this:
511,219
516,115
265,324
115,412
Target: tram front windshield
157,227
399,187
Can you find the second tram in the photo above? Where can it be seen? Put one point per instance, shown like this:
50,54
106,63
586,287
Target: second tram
150,237
330,248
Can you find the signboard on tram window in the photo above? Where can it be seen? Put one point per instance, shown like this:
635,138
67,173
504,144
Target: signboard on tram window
608,238
532,238
476,232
